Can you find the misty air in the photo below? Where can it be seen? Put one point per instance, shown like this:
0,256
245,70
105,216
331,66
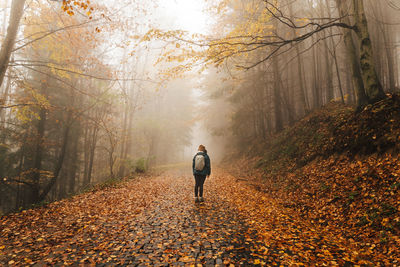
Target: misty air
200,133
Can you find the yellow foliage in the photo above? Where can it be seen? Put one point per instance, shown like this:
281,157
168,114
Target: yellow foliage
61,48
27,108
242,29
251,28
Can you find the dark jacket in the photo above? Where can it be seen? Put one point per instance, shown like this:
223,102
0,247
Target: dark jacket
207,168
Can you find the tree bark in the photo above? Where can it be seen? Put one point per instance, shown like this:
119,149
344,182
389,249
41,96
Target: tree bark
351,51
373,86
17,9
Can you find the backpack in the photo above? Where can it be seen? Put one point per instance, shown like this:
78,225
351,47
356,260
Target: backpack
199,162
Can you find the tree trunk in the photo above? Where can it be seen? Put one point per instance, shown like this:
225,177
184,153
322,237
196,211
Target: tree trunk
390,61
19,171
128,146
349,89
4,101
277,96
334,54
329,90
37,167
93,144
74,161
338,75
17,9
125,136
287,100
86,153
261,112
351,51
303,96
316,79
328,63
5,15
388,45
60,161
373,87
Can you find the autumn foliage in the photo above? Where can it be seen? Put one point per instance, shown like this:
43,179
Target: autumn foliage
334,129
341,171
70,6
340,208
57,233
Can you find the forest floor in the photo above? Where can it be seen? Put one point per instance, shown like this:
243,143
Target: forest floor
340,170
324,192
153,221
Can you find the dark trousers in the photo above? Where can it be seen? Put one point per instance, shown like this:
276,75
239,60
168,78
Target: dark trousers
199,185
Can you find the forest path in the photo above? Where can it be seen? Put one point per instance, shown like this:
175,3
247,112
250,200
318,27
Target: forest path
154,221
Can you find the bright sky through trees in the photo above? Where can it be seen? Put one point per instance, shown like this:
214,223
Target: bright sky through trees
186,14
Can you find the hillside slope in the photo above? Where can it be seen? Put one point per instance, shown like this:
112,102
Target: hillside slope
340,170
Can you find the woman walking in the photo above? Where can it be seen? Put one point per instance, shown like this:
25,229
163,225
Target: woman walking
201,169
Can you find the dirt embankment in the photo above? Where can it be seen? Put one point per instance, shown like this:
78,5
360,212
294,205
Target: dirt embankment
340,170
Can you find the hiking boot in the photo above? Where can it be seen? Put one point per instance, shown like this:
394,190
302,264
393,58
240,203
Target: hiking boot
201,199
196,199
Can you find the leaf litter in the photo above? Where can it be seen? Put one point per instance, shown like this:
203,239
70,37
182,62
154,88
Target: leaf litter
154,221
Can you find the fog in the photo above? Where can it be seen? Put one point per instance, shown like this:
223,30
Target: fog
105,90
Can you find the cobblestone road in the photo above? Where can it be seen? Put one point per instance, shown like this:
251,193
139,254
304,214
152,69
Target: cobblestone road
154,221
178,231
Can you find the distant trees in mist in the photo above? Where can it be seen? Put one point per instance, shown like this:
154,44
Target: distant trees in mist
70,117
289,57
78,107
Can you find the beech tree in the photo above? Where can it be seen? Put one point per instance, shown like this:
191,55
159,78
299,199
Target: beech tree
257,35
249,42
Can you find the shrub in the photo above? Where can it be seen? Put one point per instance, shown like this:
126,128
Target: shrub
141,165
